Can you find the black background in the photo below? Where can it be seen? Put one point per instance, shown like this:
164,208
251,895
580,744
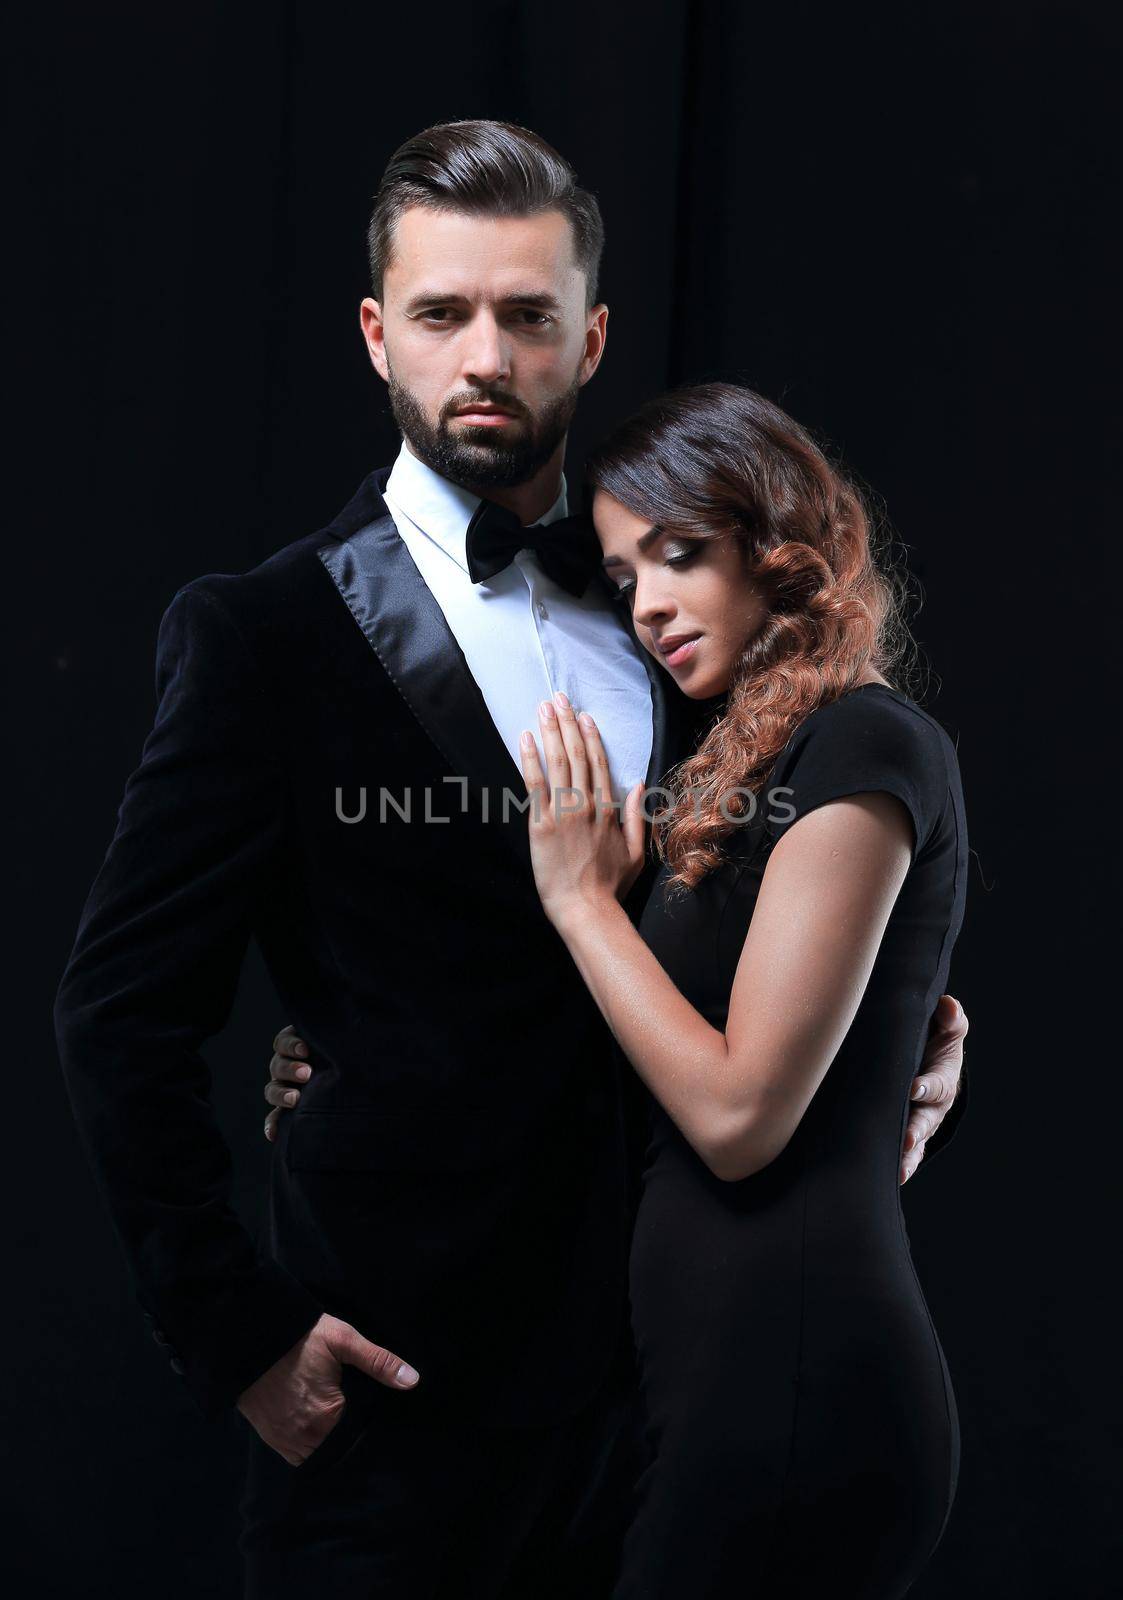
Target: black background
904,225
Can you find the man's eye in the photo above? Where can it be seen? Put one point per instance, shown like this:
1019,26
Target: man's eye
534,319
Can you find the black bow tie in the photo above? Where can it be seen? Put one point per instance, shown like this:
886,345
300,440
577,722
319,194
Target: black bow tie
568,550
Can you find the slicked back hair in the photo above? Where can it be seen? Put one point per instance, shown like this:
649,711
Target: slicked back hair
486,169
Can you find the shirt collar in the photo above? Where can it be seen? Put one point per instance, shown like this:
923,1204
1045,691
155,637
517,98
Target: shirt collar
440,509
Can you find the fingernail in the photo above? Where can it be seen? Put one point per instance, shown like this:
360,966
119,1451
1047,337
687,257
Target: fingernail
586,720
562,700
406,1375
920,1092
546,710
303,1074
300,1050
291,1097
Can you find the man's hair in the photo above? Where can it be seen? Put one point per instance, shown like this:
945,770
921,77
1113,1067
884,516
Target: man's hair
485,169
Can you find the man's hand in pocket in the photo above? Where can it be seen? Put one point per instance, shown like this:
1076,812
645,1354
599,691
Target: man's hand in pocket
297,1403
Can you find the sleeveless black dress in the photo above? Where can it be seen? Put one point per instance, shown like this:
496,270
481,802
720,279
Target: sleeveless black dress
801,1418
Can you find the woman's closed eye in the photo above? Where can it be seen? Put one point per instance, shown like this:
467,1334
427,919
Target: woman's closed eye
679,555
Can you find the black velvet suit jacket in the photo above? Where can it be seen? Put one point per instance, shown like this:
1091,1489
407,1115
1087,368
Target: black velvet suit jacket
456,1179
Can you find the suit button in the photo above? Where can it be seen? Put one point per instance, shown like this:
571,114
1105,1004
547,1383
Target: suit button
177,1366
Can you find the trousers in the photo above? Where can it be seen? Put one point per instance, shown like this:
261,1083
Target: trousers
405,1511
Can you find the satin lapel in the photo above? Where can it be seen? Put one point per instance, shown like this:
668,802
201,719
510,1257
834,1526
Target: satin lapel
407,630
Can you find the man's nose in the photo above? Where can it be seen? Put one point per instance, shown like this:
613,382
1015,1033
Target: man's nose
486,356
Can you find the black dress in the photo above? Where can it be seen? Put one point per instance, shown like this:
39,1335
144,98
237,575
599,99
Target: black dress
801,1417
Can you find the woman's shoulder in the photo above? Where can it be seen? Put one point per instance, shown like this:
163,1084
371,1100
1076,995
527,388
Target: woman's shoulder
871,737
871,718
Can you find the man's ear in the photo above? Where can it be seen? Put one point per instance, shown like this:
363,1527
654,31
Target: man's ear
595,335
374,336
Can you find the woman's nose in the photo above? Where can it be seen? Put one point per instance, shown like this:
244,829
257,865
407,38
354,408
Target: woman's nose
651,604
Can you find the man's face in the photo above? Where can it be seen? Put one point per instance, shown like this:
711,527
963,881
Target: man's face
484,340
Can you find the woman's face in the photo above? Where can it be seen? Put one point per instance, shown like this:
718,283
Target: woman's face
692,601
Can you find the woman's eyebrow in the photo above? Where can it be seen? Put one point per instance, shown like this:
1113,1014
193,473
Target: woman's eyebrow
641,543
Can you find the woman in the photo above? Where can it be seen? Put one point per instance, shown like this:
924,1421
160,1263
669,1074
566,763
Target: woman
775,1000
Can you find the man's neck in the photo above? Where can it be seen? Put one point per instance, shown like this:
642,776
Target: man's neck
529,500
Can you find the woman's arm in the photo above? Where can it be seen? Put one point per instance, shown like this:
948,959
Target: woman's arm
824,902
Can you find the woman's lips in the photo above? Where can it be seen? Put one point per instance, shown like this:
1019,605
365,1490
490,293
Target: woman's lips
681,653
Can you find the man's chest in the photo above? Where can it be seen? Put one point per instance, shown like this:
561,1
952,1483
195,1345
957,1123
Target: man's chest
523,639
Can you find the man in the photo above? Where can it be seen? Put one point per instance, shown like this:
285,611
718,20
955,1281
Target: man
432,1352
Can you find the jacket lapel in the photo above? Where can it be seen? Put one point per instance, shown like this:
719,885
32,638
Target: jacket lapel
406,628
407,631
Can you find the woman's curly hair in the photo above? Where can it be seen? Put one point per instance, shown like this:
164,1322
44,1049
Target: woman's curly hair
716,458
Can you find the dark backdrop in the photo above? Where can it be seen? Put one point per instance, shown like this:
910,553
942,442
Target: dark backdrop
904,225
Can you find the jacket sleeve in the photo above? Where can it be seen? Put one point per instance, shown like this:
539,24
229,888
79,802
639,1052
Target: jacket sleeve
152,974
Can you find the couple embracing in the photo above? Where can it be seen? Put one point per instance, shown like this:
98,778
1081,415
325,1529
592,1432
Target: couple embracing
586,1272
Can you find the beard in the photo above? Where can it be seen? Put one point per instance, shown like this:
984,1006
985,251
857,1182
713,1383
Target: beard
475,458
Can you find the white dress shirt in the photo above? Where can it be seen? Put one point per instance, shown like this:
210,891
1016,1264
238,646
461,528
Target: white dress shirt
523,636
